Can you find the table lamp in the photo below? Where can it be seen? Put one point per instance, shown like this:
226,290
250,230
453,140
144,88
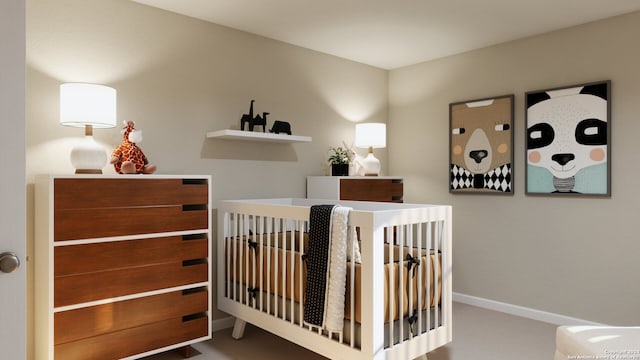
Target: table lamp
88,106
371,135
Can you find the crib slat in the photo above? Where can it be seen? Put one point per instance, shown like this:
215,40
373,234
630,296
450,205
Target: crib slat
436,268
254,303
242,293
244,273
352,297
231,262
251,262
239,280
281,269
401,283
300,271
273,275
414,305
291,269
258,229
283,237
420,277
227,252
285,269
266,229
235,260
429,266
391,286
238,259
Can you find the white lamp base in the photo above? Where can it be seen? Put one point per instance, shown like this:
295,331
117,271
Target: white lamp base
88,157
371,165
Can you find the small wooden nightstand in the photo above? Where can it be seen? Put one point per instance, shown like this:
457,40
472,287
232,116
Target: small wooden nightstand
361,188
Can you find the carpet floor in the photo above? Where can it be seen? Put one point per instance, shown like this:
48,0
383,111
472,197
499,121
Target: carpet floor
478,334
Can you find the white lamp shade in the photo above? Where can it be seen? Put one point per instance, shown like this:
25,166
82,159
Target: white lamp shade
371,135
87,104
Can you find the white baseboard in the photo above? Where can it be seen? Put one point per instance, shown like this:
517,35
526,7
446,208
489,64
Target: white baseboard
525,312
521,311
221,324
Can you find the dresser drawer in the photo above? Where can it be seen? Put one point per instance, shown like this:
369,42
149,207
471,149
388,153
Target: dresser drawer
132,207
127,192
73,325
95,257
388,190
119,344
81,288
75,224
96,271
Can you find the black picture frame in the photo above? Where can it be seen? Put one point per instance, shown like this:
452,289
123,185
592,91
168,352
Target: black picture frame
568,140
481,146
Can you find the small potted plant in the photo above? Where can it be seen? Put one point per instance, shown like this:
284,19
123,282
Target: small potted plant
339,159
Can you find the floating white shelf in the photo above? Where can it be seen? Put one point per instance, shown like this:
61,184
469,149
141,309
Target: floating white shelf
229,134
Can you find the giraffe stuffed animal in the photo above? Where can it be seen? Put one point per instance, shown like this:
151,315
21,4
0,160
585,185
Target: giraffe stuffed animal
128,158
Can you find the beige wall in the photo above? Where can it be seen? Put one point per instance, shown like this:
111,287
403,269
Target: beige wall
179,78
573,256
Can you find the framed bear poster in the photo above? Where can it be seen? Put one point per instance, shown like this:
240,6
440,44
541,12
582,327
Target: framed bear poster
567,139
481,146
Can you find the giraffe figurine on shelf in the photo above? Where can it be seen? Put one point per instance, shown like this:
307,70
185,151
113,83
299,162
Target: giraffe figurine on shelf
128,158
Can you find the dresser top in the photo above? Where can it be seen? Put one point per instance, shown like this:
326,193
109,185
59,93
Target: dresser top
355,177
122,176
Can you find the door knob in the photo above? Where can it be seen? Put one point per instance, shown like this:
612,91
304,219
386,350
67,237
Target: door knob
9,262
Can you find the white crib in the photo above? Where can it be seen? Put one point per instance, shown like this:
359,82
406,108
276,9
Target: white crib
398,299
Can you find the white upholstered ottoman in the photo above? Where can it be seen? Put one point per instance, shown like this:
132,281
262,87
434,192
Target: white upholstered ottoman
597,342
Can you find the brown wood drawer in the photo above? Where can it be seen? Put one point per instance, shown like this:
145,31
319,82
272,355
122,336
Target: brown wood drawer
117,345
387,190
127,192
88,258
96,320
80,288
95,208
77,224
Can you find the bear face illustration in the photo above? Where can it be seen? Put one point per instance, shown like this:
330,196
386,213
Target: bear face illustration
481,145
567,132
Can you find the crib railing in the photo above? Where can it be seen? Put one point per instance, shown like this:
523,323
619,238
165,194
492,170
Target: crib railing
261,261
397,302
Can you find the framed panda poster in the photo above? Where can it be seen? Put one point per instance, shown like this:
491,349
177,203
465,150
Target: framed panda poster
481,146
567,140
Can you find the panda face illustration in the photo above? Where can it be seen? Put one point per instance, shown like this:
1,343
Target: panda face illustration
567,130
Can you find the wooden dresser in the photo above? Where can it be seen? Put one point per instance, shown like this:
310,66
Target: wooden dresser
362,188
123,265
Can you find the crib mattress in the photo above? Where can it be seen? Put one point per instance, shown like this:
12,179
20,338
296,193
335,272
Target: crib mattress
269,267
